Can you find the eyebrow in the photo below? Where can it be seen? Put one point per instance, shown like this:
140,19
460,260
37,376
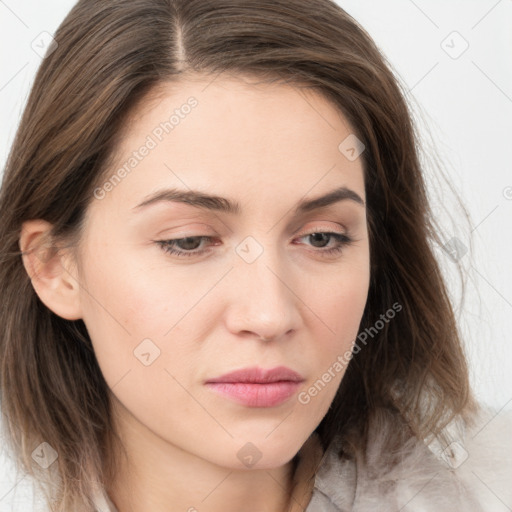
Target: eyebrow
224,205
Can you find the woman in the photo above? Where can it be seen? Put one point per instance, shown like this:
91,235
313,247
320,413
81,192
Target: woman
219,285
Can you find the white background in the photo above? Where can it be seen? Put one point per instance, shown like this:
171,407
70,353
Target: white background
464,106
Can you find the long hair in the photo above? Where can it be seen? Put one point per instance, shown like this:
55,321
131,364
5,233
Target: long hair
109,56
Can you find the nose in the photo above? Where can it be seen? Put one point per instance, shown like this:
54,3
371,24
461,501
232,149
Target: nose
262,303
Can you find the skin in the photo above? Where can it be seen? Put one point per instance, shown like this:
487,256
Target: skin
267,147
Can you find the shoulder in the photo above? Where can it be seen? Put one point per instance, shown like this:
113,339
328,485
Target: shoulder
473,472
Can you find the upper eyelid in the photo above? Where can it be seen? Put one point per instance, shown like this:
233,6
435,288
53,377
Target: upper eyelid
314,229
299,235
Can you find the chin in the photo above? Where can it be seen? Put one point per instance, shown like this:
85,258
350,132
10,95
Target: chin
261,453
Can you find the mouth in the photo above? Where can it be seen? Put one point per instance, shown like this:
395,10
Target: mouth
257,387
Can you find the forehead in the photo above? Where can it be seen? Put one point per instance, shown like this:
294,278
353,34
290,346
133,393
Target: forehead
234,137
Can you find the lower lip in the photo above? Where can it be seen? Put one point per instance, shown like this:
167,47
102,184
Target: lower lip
256,395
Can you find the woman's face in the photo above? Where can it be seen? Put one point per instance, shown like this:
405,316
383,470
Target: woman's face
251,286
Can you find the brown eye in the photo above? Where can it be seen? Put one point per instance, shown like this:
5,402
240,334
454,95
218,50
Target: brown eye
190,243
187,246
321,239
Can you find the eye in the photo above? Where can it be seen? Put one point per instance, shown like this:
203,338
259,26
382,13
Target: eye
190,246
184,246
322,238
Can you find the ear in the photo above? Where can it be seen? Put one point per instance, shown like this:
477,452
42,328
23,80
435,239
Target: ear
52,271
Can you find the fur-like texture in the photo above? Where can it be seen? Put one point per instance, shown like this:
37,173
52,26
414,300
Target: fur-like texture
473,474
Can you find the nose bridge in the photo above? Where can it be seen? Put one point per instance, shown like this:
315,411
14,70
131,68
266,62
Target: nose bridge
263,303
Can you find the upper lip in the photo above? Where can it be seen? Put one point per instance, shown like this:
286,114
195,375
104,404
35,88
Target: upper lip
260,375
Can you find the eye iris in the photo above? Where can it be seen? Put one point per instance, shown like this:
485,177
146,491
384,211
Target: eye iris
319,237
189,243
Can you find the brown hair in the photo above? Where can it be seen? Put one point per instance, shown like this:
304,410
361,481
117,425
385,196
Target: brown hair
110,55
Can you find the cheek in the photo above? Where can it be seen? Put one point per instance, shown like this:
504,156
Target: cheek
127,294
339,305
133,312
341,302
118,311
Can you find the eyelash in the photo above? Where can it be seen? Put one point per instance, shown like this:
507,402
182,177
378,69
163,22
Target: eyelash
343,241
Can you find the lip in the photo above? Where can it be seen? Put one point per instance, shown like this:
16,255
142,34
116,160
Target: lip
257,387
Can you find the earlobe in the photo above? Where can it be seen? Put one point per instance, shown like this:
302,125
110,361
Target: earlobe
51,270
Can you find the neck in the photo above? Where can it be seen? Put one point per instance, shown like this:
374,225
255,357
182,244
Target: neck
158,476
